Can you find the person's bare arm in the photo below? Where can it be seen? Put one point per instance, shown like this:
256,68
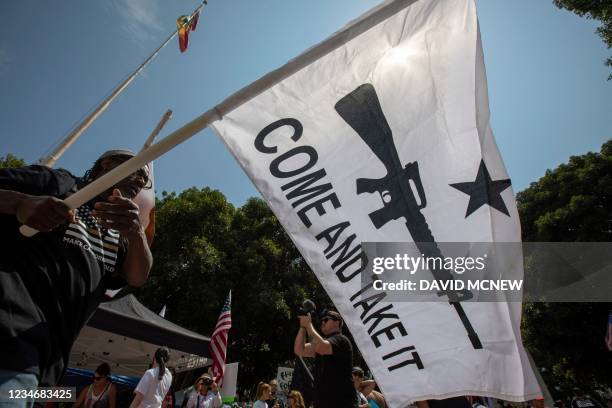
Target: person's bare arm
112,397
121,214
319,345
300,347
138,397
82,397
367,386
40,212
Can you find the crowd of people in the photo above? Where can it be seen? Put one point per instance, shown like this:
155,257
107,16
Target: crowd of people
154,391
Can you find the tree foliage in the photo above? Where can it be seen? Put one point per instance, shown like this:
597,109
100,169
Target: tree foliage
571,203
600,10
10,161
204,247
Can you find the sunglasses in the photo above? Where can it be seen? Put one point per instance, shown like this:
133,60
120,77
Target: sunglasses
327,319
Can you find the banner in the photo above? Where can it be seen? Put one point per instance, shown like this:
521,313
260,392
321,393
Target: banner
386,138
284,377
230,379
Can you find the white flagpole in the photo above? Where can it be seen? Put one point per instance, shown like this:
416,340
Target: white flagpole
338,39
162,122
146,197
50,160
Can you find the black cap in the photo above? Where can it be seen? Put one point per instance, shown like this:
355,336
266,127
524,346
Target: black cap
331,314
128,154
117,152
206,379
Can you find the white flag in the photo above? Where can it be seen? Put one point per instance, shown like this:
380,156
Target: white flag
417,79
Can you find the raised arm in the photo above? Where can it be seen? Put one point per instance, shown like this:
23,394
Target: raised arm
300,347
367,386
317,343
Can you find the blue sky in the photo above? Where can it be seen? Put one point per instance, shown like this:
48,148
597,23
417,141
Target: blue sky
547,83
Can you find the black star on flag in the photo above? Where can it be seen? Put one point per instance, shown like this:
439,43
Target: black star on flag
483,191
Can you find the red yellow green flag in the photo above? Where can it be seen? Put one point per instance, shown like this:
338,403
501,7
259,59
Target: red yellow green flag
183,32
186,24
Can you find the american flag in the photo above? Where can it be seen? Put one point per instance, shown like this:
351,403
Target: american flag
218,340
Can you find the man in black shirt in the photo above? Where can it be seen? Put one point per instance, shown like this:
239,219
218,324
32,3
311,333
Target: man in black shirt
51,283
333,361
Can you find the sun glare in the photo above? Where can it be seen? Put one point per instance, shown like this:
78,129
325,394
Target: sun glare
399,55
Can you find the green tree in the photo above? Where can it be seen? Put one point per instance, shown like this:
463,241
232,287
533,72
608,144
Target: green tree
10,161
571,203
204,247
593,9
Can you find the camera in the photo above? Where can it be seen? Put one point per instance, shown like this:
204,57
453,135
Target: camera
206,381
308,307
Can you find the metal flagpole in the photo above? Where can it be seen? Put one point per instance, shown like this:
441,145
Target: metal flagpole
50,160
306,368
128,167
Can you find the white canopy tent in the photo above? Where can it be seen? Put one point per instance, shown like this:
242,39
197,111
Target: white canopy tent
125,334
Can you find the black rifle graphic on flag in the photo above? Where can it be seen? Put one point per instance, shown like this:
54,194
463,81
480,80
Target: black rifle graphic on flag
362,111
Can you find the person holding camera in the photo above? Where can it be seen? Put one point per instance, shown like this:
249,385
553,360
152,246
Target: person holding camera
333,355
206,395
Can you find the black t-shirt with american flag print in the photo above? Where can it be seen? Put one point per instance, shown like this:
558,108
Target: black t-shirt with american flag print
50,284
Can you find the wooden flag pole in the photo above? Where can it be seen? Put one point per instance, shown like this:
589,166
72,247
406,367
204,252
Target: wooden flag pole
50,160
162,122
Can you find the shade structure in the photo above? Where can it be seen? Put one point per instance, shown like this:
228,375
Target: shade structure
125,334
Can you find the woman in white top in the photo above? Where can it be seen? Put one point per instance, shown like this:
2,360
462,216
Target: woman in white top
262,395
155,383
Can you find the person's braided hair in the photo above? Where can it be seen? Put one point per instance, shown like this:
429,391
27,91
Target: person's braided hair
88,177
162,355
